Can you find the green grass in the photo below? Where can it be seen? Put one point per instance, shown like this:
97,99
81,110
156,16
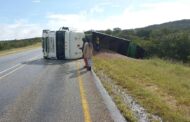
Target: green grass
161,87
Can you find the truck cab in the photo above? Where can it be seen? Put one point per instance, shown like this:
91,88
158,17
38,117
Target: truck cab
62,44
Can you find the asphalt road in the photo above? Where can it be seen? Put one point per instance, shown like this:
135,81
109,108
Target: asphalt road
36,90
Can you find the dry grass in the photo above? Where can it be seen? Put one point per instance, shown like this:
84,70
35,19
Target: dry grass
162,87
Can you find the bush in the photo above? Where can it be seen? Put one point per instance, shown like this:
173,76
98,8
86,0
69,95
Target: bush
4,45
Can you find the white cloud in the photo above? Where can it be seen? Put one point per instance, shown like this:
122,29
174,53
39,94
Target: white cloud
157,13
96,9
131,17
78,21
19,30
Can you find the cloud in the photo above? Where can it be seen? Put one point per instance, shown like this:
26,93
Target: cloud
78,21
19,30
155,13
96,9
131,17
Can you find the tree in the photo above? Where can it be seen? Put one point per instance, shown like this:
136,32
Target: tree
108,31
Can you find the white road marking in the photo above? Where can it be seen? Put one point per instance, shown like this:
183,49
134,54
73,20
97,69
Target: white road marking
9,68
18,66
12,71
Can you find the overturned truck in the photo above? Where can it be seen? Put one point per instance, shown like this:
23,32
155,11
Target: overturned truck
119,45
68,44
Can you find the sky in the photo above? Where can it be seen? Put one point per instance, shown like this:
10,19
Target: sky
27,18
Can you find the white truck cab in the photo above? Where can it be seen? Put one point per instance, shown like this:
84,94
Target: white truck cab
62,44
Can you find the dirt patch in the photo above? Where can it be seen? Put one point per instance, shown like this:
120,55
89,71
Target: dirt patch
111,54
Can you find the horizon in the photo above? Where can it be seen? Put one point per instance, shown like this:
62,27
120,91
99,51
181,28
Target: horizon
26,19
98,30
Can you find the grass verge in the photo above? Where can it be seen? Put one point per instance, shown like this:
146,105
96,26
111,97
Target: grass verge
161,87
16,50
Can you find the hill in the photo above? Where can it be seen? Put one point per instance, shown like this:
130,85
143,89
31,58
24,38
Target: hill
175,25
169,40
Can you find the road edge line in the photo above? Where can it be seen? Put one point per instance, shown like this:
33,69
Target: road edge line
114,111
84,101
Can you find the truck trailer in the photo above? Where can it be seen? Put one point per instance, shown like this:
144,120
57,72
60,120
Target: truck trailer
62,44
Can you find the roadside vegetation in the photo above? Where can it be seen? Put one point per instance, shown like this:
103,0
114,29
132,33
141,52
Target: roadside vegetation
10,47
7,45
161,87
169,40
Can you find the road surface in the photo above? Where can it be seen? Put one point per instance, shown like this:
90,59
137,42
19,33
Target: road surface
36,90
